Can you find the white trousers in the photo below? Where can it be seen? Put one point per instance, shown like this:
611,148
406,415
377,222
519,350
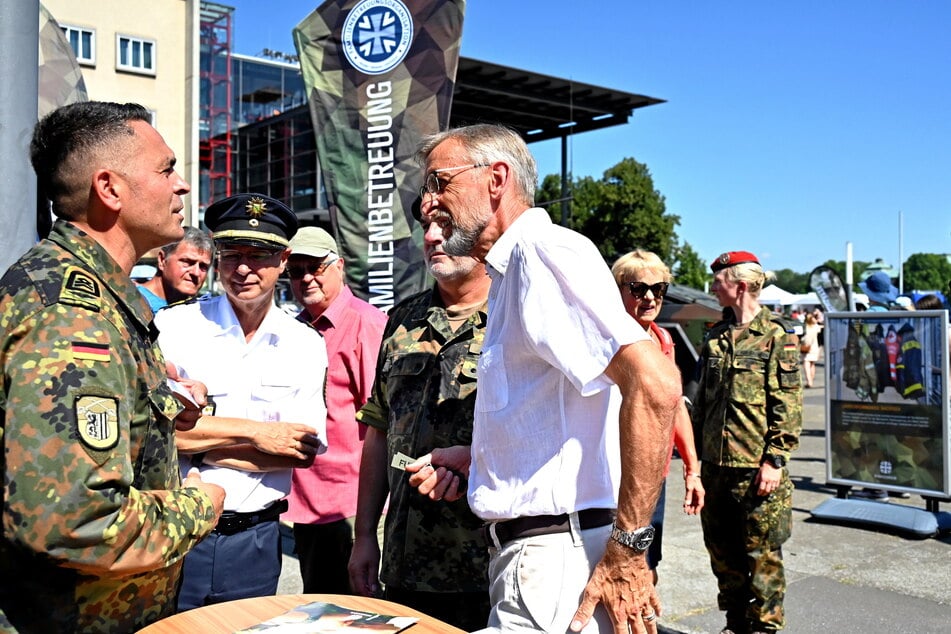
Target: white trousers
536,583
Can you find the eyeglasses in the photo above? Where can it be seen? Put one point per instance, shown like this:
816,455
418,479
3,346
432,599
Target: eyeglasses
435,185
297,271
230,257
639,289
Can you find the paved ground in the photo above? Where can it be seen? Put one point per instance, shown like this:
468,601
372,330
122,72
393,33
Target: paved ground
840,578
843,579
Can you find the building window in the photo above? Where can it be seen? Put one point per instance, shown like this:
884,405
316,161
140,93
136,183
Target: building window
135,54
83,42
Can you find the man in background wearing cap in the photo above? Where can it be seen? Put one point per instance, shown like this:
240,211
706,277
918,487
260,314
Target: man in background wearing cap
748,412
323,499
263,368
182,269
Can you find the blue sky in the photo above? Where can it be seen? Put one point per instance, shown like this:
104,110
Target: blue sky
790,128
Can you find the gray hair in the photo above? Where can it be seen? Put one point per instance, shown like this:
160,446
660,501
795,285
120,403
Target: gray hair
196,238
489,143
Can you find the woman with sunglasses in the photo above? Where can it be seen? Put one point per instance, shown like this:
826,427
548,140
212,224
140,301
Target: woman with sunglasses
643,280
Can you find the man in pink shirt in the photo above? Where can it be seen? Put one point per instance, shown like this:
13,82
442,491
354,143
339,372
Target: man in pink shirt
323,498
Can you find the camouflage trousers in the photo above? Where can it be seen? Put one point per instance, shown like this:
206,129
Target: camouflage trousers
744,534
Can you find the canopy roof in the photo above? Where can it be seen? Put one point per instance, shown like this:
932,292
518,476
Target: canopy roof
537,106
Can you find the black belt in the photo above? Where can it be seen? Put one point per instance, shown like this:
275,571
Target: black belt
507,530
232,522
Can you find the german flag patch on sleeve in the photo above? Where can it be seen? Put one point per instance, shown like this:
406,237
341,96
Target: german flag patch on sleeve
90,351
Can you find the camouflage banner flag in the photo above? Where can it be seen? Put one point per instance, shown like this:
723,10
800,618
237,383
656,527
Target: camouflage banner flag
380,76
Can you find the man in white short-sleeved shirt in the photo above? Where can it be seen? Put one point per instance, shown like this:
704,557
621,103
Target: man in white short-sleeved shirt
265,376
546,430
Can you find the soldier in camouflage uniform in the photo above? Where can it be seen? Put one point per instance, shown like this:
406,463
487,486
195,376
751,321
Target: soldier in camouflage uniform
95,521
749,414
434,555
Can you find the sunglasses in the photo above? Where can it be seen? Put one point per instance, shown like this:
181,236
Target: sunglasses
297,271
639,289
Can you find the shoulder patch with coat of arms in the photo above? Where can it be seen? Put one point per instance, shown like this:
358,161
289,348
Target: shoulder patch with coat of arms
97,418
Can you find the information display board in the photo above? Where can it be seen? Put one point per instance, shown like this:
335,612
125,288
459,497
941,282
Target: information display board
887,423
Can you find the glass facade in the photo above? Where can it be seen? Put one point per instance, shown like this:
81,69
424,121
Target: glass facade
264,89
263,139
277,156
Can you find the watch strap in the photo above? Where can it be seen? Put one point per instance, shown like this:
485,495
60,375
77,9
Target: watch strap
638,539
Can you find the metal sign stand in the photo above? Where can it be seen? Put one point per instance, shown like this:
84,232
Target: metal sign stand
867,408
920,522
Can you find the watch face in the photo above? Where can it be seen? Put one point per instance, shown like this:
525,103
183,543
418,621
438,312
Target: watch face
644,538
640,539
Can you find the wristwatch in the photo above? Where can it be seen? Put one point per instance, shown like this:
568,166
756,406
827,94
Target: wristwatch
639,539
777,461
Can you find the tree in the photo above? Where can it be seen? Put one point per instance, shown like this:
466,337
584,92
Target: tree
789,280
839,267
619,212
689,269
550,190
927,272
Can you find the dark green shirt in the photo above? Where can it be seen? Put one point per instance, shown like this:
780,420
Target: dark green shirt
423,398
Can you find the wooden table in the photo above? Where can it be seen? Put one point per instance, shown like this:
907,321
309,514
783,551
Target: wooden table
226,618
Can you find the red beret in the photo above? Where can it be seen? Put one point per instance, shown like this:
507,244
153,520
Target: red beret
732,258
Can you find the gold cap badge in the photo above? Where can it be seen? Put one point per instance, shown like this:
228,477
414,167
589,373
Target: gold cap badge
256,207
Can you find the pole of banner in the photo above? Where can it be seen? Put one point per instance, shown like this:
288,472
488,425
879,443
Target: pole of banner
565,197
848,275
901,254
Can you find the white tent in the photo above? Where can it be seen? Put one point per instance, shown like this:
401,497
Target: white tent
807,299
772,295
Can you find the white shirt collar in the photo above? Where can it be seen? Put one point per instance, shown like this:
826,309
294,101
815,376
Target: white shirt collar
501,252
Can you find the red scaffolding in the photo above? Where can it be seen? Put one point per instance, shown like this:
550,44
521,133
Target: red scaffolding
215,151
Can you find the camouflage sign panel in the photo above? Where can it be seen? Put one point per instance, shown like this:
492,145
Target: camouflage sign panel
887,422
380,77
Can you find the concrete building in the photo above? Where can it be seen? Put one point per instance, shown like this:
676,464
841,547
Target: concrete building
241,123
146,52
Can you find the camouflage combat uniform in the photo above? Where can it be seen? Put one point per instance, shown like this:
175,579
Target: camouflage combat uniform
749,404
95,525
423,398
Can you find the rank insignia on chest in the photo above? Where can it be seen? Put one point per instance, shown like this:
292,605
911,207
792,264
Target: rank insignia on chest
97,418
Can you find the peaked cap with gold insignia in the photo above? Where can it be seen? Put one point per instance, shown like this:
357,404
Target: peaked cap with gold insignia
252,219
